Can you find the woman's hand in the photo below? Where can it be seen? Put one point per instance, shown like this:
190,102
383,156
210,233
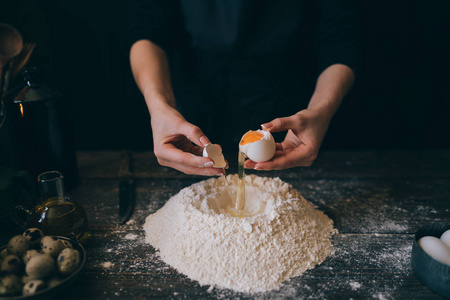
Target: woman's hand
307,128
305,132
179,144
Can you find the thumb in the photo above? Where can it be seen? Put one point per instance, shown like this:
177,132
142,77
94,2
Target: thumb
281,124
194,134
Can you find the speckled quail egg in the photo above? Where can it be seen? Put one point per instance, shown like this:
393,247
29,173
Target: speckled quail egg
51,245
4,252
18,245
258,145
11,264
10,285
29,255
34,235
33,286
66,244
68,261
40,266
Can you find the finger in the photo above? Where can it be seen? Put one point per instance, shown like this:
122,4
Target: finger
196,150
278,147
283,124
194,134
288,145
249,164
279,124
172,154
193,170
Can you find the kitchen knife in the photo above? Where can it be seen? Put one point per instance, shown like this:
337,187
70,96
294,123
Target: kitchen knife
126,187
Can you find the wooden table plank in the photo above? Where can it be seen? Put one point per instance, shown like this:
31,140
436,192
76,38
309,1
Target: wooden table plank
98,164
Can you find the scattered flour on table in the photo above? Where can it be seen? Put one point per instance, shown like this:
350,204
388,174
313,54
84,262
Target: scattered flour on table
130,236
280,236
130,222
107,264
355,285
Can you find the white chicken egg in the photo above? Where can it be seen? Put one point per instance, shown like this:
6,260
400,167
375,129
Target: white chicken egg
258,145
445,237
214,152
436,248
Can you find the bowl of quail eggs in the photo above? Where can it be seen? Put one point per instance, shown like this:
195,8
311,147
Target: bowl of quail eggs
38,266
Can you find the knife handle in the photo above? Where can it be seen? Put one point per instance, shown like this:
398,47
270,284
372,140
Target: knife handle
125,164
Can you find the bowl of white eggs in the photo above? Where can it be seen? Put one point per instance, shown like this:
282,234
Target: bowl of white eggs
430,258
37,266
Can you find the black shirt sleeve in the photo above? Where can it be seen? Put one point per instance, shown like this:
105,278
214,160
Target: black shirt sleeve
158,21
338,34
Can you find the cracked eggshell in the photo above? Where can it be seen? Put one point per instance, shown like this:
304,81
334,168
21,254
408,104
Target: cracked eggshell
260,150
214,152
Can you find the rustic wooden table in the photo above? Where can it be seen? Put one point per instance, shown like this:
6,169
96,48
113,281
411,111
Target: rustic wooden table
377,199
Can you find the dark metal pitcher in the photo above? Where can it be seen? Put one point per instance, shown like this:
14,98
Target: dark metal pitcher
42,129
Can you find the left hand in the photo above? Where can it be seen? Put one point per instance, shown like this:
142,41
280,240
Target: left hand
306,130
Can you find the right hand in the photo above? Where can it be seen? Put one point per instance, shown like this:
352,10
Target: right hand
179,144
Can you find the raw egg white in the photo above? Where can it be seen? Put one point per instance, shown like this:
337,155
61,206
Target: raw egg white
258,145
436,248
214,152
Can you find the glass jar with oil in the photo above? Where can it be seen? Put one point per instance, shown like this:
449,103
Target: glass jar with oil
56,214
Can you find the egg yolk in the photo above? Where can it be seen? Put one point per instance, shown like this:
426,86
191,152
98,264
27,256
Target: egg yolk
250,137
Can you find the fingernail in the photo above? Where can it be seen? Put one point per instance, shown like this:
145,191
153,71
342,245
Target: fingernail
220,174
266,126
208,164
204,141
256,168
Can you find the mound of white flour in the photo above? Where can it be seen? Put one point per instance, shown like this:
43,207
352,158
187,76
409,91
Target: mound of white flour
281,235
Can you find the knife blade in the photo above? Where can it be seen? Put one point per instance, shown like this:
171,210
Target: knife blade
126,187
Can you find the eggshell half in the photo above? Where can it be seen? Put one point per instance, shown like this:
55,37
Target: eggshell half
262,150
214,152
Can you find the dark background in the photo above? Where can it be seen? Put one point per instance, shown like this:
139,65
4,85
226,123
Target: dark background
400,99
